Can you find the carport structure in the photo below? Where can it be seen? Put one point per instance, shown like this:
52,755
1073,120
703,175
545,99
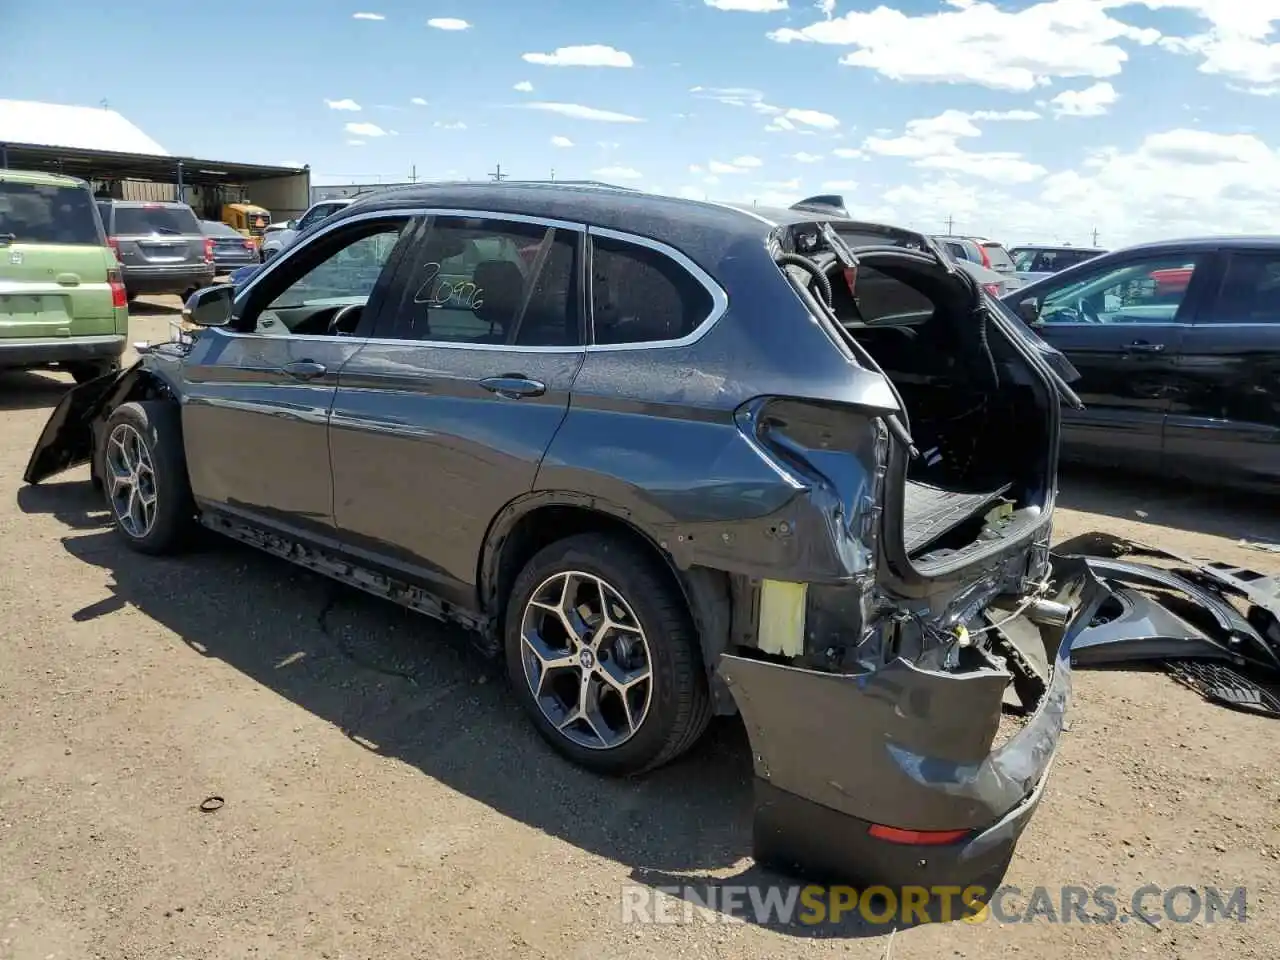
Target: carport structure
120,160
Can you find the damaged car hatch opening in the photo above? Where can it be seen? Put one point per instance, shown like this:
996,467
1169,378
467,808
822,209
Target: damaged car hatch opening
769,471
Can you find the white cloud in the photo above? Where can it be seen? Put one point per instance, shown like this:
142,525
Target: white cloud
1090,102
578,112
346,104
779,124
849,153
365,130
737,165
840,185
454,125
1236,44
448,23
933,143
812,118
290,163
418,102
749,6
617,173
367,16
355,143
803,157
561,142
977,42
524,86
589,55
826,7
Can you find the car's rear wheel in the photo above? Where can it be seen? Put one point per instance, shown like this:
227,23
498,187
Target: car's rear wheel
603,656
144,476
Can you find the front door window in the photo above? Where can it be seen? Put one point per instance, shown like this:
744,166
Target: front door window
1151,290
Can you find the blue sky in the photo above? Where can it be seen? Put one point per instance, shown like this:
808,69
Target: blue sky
1023,119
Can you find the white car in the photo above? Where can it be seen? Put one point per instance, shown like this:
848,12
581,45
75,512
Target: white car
279,236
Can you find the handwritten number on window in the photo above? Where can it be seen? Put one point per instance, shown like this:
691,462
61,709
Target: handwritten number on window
436,291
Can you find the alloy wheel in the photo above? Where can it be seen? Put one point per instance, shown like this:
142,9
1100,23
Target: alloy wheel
586,660
131,481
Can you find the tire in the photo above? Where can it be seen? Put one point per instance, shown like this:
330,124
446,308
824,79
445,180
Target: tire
666,718
92,369
157,427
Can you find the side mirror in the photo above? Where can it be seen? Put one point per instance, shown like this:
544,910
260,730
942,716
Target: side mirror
291,224
210,307
1029,310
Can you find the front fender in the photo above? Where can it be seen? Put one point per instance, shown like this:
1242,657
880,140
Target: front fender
67,438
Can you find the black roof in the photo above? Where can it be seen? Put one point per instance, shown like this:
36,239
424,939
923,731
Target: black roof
1205,243
669,220
110,165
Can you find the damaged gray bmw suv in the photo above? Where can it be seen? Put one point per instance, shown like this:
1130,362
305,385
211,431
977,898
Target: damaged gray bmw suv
671,459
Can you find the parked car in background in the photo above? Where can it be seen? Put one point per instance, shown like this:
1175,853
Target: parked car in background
62,296
278,239
231,248
1033,261
968,254
160,246
994,255
664,467
1178,349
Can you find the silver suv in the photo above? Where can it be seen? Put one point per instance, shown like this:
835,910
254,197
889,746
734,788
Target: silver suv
160,246
277,240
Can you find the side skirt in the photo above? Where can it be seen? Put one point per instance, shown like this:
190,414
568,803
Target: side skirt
363,578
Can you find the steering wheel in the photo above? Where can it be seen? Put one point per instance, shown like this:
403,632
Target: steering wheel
336,324
1087,312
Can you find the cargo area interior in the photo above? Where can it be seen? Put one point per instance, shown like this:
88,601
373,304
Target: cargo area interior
973,409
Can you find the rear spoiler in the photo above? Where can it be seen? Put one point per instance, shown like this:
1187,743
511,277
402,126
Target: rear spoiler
831,203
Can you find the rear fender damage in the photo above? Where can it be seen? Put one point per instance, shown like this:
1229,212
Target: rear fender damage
904,746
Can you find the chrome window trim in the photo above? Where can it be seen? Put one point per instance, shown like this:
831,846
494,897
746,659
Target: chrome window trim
719,299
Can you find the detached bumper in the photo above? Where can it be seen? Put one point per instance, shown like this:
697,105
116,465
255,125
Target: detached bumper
904,748
31,352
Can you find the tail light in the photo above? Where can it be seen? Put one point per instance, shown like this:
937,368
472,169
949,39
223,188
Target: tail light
851,277
119,296
208,250
114,244
986,257
250,246
992,288
916,838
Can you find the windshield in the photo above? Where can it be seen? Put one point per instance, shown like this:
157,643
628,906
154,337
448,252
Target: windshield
155,218
213,228
45,213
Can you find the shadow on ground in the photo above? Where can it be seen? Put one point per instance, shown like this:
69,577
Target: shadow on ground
1183,506
403,686
149,308
28,390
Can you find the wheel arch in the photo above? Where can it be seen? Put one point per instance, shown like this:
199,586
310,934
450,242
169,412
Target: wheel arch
535,520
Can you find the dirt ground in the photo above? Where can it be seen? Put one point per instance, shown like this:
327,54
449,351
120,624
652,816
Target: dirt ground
384,797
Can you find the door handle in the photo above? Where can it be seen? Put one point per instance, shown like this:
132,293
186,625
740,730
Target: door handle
305,369
513,386
1141,346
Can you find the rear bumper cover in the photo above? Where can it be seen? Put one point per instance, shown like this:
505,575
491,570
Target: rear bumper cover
30,352
166,279
901,747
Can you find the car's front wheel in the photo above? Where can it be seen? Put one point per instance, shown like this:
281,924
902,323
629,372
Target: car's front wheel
603,656
144,476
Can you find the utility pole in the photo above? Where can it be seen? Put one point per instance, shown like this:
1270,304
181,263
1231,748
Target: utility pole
1095,236
497,174
950,221
553,173
413,173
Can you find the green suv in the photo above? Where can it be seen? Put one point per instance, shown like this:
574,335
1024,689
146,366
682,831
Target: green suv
62,295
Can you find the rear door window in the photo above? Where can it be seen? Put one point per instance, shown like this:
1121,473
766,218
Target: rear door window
999,257
1148,290
1250,290
641,295
145,220
46,213
475,280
